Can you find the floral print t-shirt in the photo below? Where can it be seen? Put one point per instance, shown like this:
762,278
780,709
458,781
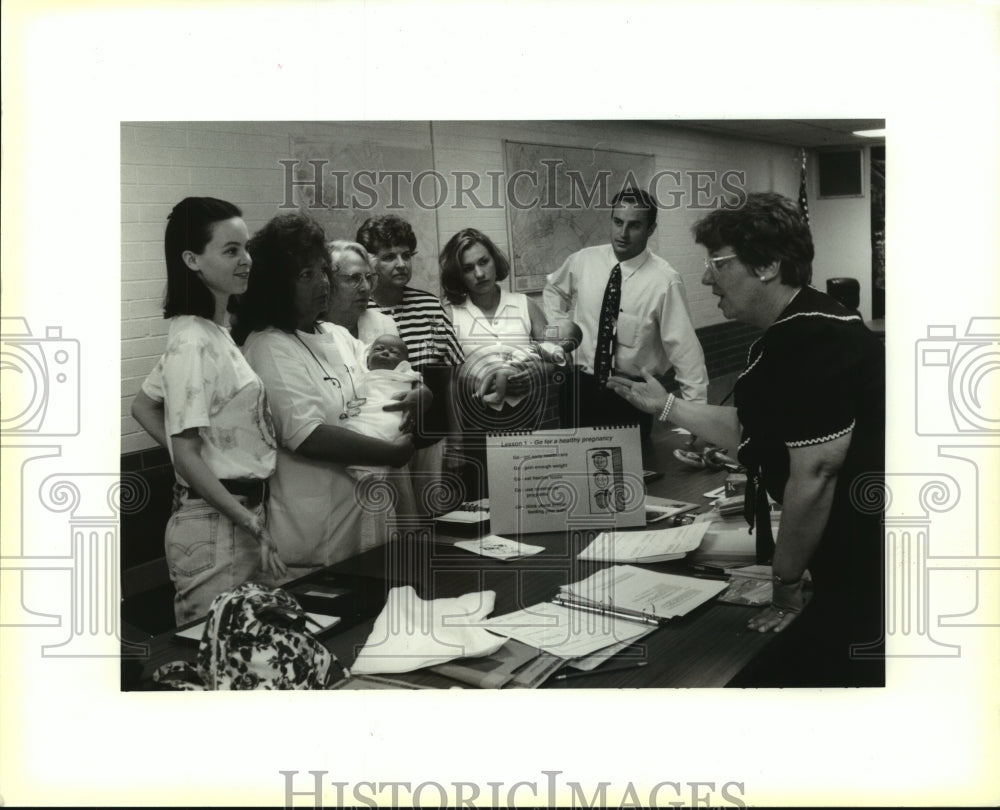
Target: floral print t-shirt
205,383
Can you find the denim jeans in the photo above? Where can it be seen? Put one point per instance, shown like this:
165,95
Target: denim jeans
207,555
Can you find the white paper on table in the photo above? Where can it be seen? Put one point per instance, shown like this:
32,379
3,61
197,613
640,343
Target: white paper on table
659,508
655,545
499,548
633,588
566,632
411,632
759,572
595,659
731,538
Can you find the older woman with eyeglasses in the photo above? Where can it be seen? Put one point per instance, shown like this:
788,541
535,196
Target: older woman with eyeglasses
809,423
351,285
311,370
351,282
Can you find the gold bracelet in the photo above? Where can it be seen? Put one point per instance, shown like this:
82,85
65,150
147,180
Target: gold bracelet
666,408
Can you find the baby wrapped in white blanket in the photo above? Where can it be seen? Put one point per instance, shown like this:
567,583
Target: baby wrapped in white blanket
389,375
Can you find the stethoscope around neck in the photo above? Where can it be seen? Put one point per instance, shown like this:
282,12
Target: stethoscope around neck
352,406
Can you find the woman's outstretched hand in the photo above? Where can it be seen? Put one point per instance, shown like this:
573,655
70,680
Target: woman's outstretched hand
646,395
786,604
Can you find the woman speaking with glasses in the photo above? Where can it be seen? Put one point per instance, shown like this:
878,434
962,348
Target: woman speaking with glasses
809,423
312,371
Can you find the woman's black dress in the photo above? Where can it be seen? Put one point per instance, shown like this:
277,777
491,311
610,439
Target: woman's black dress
818,373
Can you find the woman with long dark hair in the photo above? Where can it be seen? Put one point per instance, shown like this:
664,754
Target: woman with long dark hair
312,370
208,407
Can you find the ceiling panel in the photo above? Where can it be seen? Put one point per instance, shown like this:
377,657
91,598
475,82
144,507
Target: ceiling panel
808,132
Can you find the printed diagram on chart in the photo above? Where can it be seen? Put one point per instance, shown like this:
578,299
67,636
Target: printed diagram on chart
606,480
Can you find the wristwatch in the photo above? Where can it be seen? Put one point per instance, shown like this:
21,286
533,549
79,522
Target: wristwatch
779,581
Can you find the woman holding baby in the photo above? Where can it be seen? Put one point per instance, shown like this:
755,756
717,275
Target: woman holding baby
313,371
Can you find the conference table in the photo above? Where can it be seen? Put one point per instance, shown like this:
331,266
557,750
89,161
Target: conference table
707,647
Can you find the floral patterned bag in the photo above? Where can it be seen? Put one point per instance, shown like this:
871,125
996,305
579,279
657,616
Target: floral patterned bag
255,638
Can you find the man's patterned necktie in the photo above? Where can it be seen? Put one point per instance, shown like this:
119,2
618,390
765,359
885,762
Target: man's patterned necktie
607,327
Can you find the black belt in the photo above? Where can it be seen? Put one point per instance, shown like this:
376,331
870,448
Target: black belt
253,489
614,374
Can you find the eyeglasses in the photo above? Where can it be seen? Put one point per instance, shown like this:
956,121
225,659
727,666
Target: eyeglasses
712,263
355,280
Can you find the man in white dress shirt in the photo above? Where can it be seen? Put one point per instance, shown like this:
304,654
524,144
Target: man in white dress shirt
653,328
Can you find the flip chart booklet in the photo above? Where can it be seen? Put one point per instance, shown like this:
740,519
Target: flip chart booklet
547,480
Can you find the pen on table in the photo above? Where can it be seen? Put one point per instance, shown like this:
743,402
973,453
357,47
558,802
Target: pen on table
583,672
706,575
708,571
569,601
615,613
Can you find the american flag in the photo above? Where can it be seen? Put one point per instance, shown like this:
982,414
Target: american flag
803,199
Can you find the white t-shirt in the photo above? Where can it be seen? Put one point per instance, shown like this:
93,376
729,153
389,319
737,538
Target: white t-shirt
314,513
204,382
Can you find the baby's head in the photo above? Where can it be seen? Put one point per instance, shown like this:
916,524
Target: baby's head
387,352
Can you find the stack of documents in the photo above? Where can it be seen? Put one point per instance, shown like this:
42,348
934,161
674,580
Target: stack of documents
605,612
629,591
566,632
657,545
730,539
513,666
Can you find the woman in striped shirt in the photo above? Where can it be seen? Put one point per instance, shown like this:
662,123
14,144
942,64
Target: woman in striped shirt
430,339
